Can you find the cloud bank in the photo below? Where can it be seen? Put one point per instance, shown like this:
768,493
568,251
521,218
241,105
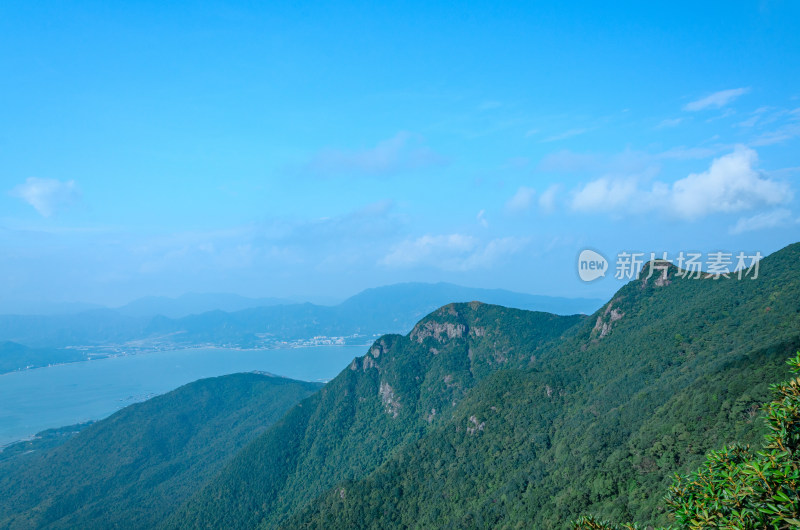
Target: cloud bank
731,184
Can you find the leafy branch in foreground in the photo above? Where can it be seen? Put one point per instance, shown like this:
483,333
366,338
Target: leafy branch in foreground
736,488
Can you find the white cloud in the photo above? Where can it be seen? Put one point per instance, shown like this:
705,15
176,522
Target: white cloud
716,100
525,197
731,184
404,151
605,194
521,200
779,217
451,252
47,195
547,200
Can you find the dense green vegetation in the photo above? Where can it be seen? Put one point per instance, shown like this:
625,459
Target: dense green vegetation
358,419
484,416
135,467
42,441
738,488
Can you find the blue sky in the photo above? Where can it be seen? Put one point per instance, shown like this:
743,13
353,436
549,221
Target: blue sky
315,150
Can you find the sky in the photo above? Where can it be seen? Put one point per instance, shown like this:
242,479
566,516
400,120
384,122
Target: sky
312,150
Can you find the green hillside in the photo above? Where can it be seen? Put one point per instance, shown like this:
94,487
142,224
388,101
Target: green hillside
135,467
42,441
484,416
380,403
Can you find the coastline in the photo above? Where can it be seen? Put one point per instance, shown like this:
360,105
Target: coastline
194,347
76,395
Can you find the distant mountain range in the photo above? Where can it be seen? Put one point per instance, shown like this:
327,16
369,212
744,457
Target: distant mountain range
480,417
194,303
158,323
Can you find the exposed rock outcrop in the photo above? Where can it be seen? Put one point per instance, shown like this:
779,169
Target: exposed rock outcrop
440,331
390,402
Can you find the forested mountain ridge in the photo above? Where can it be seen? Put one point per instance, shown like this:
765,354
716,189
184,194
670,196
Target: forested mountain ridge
484,416
481,416
135,467
384,399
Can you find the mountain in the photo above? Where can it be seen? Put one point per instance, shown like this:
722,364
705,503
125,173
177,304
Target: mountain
481,416
15,356
194,303
398,307
135,467
392,309
484,416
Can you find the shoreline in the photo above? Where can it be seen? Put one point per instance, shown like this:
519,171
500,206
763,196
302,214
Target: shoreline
150,352
213,351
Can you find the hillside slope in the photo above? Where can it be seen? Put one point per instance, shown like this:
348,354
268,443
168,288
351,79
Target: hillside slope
381,402
485,416
133,468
